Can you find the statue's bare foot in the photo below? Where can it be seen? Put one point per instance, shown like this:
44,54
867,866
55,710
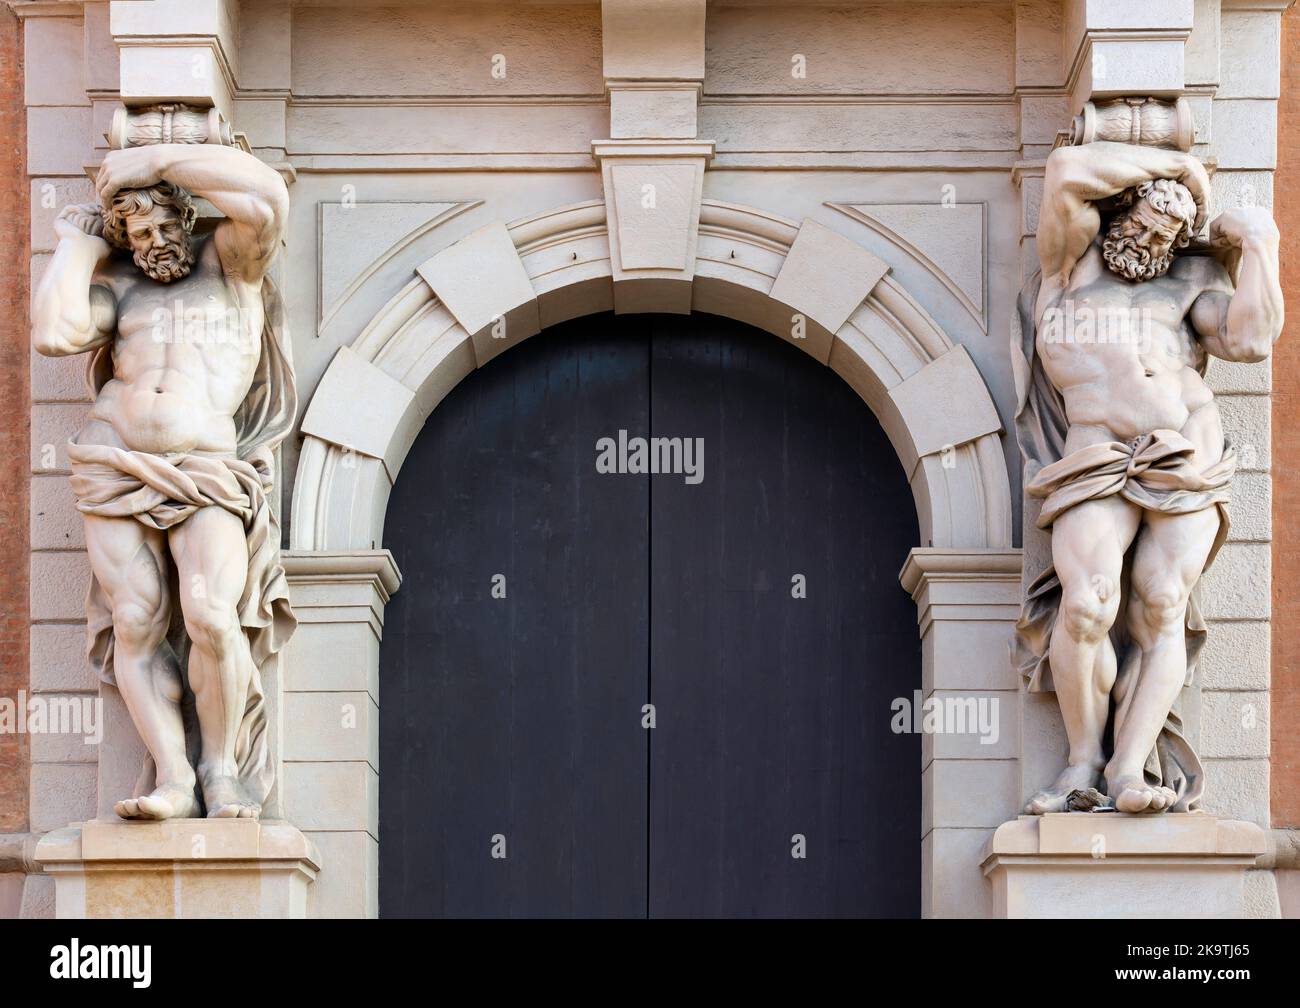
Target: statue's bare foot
226,798
166,801
1132,793
1053,799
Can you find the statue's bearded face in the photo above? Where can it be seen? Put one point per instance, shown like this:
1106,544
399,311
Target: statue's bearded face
154,225
1140,242
160,243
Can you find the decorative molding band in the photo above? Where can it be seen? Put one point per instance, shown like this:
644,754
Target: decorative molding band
429,100
866,98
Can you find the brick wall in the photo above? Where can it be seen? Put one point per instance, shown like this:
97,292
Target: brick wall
15,409
1286,449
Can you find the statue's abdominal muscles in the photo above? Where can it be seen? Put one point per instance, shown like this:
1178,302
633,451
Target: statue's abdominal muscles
1130,376
178,382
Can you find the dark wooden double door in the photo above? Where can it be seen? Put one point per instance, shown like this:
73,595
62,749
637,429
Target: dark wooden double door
546,604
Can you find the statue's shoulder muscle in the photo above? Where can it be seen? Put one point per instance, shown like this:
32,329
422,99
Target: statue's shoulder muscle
1202,271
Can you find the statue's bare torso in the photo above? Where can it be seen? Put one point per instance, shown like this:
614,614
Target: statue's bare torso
184,356
1131,363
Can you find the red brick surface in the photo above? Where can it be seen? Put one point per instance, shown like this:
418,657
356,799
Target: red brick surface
1286,449
15,412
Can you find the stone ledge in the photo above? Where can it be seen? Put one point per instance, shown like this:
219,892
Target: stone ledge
1181,833
175,841
181,868
1097,865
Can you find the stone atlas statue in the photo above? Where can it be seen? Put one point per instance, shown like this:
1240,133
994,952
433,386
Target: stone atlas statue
193,382
1125,448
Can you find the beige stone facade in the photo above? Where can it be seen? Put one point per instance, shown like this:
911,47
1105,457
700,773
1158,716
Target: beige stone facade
862,180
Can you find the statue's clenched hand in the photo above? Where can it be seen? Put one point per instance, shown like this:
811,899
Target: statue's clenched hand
1233,228
82,223
133,168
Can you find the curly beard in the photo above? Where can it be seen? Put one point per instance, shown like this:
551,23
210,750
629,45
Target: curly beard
1126,257
172,262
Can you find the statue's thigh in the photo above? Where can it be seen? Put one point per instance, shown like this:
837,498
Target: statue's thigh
1171,551
1090,539
129,560
211,555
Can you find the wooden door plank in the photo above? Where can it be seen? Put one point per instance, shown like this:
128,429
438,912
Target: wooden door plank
519,716
773,712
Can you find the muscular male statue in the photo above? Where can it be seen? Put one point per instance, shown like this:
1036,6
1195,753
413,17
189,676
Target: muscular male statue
194,388
1134,470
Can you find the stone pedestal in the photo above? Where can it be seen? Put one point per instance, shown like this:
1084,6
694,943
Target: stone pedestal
183,868
1108,864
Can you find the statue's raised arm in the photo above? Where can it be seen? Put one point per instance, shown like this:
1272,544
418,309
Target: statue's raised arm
251,195
1078,178
70,313
1242,324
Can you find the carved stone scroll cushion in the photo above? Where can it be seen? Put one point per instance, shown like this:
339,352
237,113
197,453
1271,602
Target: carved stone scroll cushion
1123,443
1146,121
194,388
169,123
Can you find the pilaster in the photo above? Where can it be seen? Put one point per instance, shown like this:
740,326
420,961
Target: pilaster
330,781
177,51
967,603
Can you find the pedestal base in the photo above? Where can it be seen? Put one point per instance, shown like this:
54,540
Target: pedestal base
179,868
1108,864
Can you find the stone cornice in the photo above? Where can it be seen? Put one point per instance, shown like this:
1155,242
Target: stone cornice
652,148
931,563
377,566
47,8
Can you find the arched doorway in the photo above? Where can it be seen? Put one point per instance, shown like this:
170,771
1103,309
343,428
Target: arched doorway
757,609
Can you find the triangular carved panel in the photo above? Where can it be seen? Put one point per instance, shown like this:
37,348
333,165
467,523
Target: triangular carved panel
947,238
357,238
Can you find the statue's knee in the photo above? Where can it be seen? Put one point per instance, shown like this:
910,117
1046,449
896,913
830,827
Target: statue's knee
138,627
1088,612
1160,611
213,628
